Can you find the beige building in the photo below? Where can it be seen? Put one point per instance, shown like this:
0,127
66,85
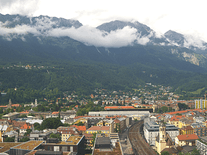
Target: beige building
163,140
66,132
188,139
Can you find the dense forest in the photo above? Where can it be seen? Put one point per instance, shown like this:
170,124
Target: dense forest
50,80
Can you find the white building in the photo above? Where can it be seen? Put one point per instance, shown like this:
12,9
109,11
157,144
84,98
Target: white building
151,130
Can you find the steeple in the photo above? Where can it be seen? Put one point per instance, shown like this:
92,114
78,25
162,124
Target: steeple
162,137
162,132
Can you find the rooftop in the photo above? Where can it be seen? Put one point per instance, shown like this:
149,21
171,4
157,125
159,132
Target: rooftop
115,151
118,107
98,128
30,145
188,137
6,146
74,139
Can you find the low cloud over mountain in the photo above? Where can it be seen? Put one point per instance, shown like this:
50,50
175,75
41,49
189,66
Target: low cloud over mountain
112,34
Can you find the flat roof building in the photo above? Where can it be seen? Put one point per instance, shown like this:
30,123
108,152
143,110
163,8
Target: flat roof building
151,130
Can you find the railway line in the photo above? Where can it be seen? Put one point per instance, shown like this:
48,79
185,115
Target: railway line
140,146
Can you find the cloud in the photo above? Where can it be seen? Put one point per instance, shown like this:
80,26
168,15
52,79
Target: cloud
18,30
93,36
127,36
85,34
193,41
23,7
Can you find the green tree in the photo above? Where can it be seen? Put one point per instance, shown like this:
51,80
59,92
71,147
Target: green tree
9,139
24,139
165,153
28,131
80,124
37,126
23,116
51,123
52,135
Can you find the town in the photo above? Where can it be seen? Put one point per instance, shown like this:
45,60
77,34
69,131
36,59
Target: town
149,120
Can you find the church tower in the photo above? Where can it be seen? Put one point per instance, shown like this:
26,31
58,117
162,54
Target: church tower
161,138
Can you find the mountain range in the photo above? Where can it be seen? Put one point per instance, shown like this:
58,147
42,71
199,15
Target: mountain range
133,45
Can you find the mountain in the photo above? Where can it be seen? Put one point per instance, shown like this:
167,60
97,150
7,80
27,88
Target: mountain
14,20
109,55
175,37
115,25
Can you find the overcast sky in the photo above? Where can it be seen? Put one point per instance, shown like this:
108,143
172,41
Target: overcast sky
183,16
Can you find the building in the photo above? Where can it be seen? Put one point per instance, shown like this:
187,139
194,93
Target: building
163,140
11,116
175,120
74,144
66,132
189,139
40,135
120,124
81,129
200,131
200,104
141,114
186,130
24,148
91,120
97,129
201,145
151,130
104,144
185,121
23,129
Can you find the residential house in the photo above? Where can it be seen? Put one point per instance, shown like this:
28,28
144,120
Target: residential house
81,129
41,135
200,131
88,139
66,132
120,124
185,121
175,120
189,139
11,116
186,130
97,129
23,129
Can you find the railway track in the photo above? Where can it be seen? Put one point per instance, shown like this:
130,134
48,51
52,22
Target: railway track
140,146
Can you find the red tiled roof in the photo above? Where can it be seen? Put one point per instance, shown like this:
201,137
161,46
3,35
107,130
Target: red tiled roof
187,128
176,118
16,105
187,137
98,128
3,106
184,111
16,124
118,107
55,113
80,128
116,121
88,135
25,126
24,112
